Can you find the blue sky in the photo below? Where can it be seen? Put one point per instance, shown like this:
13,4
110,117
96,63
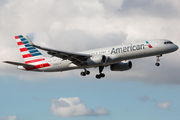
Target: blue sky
144,92
123,99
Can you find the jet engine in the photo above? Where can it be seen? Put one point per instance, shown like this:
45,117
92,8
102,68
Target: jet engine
121,66
96,60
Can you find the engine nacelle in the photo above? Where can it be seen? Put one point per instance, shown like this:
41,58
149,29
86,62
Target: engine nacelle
122,66
96,60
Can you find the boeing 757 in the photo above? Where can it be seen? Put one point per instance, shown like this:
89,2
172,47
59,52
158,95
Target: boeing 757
117,57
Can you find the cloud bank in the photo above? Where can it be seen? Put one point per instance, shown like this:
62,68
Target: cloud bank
71,107
9,118
162,105
82,24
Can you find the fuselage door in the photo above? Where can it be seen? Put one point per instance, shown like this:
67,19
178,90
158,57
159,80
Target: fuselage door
157,44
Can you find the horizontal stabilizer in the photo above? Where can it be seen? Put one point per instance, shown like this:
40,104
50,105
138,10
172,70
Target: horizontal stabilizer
18,64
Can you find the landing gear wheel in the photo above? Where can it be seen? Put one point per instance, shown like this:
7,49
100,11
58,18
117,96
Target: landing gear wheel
98,76
87,72
83,74
157,64
102,75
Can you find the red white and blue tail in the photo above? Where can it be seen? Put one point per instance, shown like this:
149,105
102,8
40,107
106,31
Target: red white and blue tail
29,53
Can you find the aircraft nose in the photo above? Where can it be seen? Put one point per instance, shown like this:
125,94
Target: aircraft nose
176,47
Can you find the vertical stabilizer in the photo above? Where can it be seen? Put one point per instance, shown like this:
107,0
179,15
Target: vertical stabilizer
29,53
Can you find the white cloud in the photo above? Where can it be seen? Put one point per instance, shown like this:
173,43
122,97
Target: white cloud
82,24
145,98
112,6
164,105
9,118
71,107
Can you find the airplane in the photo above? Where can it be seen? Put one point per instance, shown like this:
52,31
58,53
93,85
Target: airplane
117,57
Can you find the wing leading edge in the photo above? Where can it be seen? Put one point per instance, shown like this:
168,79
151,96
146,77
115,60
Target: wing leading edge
76,58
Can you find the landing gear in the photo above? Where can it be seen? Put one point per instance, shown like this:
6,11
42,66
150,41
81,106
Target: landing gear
157,64
157,61
100,75
86,72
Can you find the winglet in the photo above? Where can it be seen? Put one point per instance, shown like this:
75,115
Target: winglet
29,40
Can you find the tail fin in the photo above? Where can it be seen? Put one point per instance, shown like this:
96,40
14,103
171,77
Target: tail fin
30,54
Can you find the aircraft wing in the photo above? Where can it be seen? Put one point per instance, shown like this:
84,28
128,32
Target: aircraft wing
18,64
76,58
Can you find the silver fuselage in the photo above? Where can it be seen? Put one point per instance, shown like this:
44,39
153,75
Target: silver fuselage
113,54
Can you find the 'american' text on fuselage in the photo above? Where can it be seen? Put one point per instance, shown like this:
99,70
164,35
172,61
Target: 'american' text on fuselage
127,49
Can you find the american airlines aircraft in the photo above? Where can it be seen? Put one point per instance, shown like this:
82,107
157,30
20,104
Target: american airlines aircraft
116,56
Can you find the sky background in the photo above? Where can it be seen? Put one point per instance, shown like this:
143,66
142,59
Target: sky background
144,92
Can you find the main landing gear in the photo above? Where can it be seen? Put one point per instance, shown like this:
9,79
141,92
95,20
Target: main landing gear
100,75
157,60
86,72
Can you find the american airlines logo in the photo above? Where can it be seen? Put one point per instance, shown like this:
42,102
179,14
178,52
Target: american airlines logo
148,44
127,49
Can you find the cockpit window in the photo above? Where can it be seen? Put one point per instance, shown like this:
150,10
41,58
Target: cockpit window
169,42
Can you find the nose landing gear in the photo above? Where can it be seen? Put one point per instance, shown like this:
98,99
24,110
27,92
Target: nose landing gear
157,64
157,61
